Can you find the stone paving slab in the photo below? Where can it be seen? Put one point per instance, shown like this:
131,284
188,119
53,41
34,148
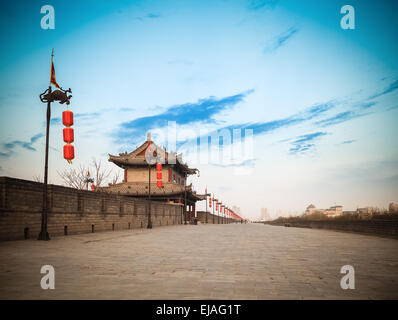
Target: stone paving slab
252,261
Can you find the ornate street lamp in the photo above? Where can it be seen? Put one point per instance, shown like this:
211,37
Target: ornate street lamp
206,203
149,226
213,206
185,198
150,155
49,96
185,194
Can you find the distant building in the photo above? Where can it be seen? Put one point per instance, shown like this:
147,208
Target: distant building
264,214
334,211
367,211
347,213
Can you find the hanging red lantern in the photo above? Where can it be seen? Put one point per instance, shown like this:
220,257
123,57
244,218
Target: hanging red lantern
92,187
210,202
68,135
67,118
67,121
159,175
69,152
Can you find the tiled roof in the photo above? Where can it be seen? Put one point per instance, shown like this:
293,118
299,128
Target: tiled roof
133,158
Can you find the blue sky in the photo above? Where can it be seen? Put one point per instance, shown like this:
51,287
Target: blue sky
321,101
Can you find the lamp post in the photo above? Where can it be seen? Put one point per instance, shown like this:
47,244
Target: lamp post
185,198
49,96
149,226
206,204
213,207
185,193
218,213
149,154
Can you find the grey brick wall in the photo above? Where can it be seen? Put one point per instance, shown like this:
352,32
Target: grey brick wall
383,227
202,218
73,211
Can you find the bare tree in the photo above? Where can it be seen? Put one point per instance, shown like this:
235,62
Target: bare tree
37,178
79,178
116,177
100,174
75,178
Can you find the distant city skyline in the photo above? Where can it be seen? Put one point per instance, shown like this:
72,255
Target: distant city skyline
321,101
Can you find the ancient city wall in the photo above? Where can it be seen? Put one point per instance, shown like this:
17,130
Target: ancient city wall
383,227
73,211
201,215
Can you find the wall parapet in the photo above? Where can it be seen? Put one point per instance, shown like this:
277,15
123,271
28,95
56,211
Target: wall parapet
383,227
73,211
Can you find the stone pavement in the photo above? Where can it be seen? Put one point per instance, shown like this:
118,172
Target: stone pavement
252,261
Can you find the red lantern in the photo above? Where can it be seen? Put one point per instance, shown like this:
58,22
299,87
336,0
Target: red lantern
159,175
69,152
92,187
210,202
68,135
67,118
67,121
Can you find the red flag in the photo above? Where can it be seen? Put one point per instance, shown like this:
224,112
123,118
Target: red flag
52,75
